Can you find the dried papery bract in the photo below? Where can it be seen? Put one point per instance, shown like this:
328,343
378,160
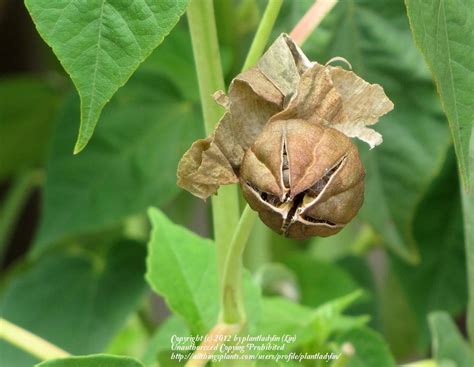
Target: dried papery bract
286,138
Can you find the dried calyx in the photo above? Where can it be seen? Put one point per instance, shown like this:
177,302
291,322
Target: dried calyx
286,138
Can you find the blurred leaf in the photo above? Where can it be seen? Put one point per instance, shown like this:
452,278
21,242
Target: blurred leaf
101,43
130,165
174,60
393,190
375,37
449,347
438,282
444,32
131,339
361,271
319,281
75,298
333,248
397,319
97,360
160,343
27,107
181,267
308,324
277,280
370,349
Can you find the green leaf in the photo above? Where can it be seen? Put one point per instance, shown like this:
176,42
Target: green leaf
100,44
130,165
449,347
27,107
160,343
96,360
319,281
444,32
438,282
396,318
175,258
315,325
276,279
370,349
181,266
76,298
131,339
375,37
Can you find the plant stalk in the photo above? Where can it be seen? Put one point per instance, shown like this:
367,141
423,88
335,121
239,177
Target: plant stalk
213,339
263,33
29,342
311,20
225,206
232,302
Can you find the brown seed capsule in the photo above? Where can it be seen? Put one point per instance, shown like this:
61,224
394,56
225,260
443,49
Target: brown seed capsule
303,178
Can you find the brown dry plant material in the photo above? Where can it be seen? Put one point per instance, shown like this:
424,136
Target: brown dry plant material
285,137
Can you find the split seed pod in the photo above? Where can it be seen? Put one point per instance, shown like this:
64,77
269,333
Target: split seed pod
285,137
303,179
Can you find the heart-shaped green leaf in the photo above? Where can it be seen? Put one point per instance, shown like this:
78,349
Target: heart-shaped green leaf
100,43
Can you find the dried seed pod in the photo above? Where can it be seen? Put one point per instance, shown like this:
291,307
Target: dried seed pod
304,179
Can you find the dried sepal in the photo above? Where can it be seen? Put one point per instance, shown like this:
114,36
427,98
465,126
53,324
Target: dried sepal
316,100
253,99
363,105
204,167
283,63
340,99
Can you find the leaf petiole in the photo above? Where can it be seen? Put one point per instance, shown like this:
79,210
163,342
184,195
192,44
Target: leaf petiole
29,342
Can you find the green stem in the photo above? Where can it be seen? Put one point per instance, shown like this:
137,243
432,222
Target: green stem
263,33
14,203
233,299
29,342
258,249
213,340
207,59
225,206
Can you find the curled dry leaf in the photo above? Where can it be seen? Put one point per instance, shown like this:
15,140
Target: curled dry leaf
285,138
